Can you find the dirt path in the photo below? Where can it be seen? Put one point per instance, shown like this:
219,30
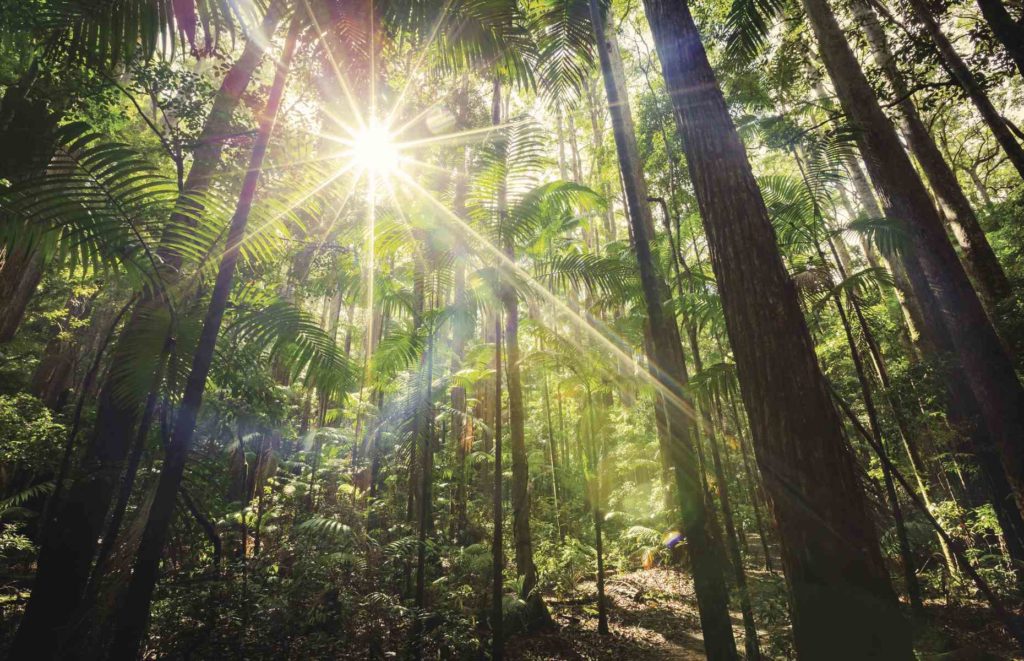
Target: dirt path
652,615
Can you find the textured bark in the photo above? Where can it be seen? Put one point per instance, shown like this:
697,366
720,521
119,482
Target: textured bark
133,616
978,257
68,547
932,266
666,362
970,84
843,603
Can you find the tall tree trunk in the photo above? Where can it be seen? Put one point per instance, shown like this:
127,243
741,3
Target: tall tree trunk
20,273
829,546
425,513
462,328
28,125
525,566
934,271
970,85
978,256
666,361
498,557
1008,31
553,454
751,645
133,617
68,547
594,460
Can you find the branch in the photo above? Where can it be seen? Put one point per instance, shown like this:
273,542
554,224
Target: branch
206,525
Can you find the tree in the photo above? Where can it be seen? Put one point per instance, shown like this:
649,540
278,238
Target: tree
934,271
795,441
67,550
666,362
978,256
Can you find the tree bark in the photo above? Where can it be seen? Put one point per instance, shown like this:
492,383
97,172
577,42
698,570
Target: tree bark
525,566
133,617
20,274
666,361
829,546
498,558
934,271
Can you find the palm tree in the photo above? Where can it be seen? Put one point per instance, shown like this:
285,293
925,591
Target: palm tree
130,629
66,551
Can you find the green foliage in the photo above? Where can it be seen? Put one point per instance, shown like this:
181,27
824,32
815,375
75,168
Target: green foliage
32,442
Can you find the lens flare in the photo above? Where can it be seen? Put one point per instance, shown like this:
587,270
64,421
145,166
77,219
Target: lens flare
375,151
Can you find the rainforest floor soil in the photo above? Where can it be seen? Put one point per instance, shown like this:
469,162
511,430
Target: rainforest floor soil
653,615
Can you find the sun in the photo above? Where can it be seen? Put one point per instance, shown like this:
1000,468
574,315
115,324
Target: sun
375,151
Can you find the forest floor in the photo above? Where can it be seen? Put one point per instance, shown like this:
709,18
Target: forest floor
653,615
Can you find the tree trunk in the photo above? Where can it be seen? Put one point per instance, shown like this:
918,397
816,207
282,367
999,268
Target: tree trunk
52,376
425,513
1008,31
934,271
594,459
133,617
666,361
829,546
970,84
978,256
28,126
19,276
553,454
751,645
520,468
66,554
462,329
498,558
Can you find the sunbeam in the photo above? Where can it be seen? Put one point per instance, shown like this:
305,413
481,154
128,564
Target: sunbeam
497,257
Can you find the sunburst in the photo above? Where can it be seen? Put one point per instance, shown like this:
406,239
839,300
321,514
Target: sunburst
379,153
